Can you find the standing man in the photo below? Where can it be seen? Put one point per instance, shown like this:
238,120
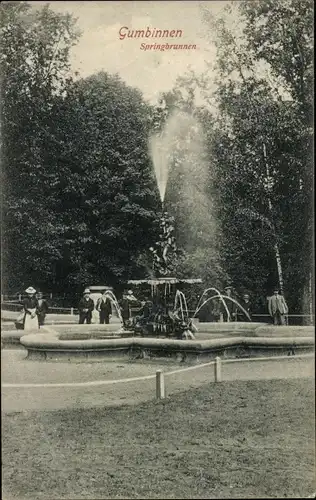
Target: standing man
85,306
278,308
245,303
231,306
42,308
127,301
104,307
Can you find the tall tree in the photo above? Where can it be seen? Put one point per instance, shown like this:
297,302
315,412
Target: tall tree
112,196
35,45
80,199
281,34
264,99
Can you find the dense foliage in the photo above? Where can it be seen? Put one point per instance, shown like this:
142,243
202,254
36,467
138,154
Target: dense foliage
34,65
80,202
264,99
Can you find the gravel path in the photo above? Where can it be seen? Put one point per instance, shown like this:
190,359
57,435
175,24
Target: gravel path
17,370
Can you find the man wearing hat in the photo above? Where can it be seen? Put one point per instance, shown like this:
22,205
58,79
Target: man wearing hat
127,301
246,305
30,307
278,308
85,307
104,308
230,306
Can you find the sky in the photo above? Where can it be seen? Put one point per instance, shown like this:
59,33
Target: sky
152,71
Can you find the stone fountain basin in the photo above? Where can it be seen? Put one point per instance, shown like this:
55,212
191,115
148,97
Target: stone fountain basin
210,330
66,331
233,325
205,331
71,343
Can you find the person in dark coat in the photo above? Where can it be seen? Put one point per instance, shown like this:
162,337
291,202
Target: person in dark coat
146,311
231,306
104,307
142,320
245,303
127,301
85,307
42,308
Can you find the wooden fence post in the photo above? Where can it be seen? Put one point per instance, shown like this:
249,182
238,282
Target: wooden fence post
160,385
218,369
72,311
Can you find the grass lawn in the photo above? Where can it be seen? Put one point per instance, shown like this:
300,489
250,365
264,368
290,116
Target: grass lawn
230,440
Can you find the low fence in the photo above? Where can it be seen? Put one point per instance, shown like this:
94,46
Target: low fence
60,305
19,296
220,373
16,306
292,319
248,369
96,393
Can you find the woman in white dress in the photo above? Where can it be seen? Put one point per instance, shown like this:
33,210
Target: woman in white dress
30,306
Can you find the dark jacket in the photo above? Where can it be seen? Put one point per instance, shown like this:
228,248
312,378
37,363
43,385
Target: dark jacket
146,310
246,306
125,308
104,304
231,306
42,307
30,303
85,304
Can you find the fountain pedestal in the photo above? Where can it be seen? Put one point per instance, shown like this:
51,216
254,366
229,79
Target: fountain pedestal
169,316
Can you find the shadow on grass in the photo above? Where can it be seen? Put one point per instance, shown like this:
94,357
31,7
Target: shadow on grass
231,440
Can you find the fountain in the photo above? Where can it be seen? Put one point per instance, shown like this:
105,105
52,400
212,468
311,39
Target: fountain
166,317
181,133
168,314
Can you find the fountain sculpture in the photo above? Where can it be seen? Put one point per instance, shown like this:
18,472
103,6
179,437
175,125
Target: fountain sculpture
166,314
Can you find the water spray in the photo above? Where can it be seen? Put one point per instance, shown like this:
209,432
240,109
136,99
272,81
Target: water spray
223,298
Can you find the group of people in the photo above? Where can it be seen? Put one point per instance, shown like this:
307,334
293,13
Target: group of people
86,306
35,308
104,307
229,306
230,310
